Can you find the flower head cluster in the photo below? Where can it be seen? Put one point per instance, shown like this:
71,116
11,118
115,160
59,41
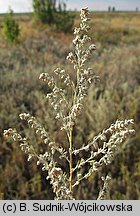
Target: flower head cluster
48,79
55,174
64,77
57,178
81,53
103,154
44,135
103,192
57,96
85,76
25,146
33,123
67,110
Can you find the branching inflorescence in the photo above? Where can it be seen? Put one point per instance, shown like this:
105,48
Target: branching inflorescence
101,149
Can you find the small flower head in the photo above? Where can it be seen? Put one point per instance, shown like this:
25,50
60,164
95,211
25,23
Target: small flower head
8,133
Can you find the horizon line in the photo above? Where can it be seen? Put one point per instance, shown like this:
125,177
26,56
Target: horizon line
75,10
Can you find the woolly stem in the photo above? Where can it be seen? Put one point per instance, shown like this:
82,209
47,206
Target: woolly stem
71,160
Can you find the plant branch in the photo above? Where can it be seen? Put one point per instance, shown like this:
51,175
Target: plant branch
71,160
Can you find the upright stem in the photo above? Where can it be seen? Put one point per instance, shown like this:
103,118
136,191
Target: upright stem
79,63
70,164
71,129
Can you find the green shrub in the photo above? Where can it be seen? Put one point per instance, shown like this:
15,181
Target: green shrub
64,20
44,10
47,12
11,28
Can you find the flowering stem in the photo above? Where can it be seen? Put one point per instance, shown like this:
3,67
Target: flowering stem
78,66
70,164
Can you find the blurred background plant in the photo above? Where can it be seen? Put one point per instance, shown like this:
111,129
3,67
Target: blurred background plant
11,29
117,61
54,13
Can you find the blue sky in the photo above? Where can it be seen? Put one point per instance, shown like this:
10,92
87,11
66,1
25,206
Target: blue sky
26,5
